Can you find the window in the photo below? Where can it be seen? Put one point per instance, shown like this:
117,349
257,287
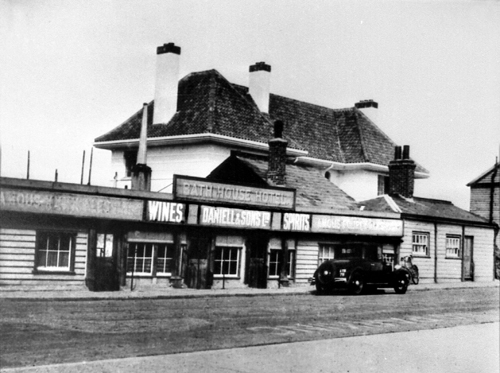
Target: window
226,261
140,258
276,262
325,252
165,259
54,251
453,249
420,244
382,185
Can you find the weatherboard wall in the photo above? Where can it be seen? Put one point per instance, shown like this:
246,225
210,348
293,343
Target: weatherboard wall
17,260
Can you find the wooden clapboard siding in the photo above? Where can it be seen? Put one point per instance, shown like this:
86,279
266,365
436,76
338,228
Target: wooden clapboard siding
425,264
482,252
307,260
17,260
449,269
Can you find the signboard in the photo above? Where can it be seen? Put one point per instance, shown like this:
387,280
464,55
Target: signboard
168,212
201,190
78,205
237,218
357,225
296,222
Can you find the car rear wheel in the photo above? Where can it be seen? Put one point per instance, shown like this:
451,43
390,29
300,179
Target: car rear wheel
357,285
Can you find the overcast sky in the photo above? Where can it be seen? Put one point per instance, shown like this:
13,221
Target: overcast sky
73,70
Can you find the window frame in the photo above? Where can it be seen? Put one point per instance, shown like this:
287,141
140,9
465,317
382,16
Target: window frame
415,253
459,250
45,234
169,247
291,263
323,258
222,248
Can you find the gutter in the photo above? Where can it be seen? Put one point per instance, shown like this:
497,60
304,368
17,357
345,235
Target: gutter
192,139
368,166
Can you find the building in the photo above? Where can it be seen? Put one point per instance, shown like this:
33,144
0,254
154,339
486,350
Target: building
447,243
219,185
485,202
196,122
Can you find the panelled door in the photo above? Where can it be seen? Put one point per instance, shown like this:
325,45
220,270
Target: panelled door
467,260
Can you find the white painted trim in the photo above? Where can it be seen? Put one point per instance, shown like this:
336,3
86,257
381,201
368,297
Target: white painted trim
352,166
190,139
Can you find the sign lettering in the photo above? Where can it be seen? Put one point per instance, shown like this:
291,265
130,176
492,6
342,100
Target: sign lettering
296,222
357,225
202,190
166,211
46,202
228,217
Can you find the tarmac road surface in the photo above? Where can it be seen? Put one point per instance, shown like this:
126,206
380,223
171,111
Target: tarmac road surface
471,348
42,332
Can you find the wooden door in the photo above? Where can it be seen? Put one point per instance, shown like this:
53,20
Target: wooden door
467,259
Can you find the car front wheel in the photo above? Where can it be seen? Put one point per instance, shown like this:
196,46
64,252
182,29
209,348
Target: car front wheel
357,285
401,285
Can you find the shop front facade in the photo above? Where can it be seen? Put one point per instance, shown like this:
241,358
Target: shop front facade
205,235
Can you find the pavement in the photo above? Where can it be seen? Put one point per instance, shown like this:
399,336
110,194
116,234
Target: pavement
467,348
163,292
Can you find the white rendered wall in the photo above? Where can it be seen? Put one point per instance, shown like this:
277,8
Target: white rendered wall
359,184
190,160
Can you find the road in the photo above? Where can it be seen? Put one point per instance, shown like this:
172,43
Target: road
54,332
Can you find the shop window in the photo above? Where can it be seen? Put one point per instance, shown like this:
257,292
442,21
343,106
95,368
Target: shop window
146,258
276,262
420,244
453,247
140,258
226,261
165,259
54,251
325,252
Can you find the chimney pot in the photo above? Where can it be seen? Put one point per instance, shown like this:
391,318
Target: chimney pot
406,152
397,152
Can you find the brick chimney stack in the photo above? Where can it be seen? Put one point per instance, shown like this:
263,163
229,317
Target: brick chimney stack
167,81
259,85
402,173
276,172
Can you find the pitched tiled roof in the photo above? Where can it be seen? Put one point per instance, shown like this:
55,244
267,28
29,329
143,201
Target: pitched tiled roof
488,177
208,103
422,207
312,188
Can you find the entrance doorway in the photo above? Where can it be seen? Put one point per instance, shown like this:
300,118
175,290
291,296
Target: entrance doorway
256,263
197,273
468,263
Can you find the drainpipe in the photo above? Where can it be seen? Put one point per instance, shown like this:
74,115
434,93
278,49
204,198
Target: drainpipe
435,253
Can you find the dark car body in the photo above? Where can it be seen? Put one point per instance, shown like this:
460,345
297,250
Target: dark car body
359,268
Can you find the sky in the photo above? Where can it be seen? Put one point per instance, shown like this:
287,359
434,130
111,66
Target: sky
72,70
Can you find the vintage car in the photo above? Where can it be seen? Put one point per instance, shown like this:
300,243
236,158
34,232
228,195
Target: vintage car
358,267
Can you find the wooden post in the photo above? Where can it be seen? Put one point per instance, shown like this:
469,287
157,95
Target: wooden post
176,279
284,263
90,279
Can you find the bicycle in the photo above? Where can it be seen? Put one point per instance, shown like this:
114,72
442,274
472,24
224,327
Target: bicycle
412,269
